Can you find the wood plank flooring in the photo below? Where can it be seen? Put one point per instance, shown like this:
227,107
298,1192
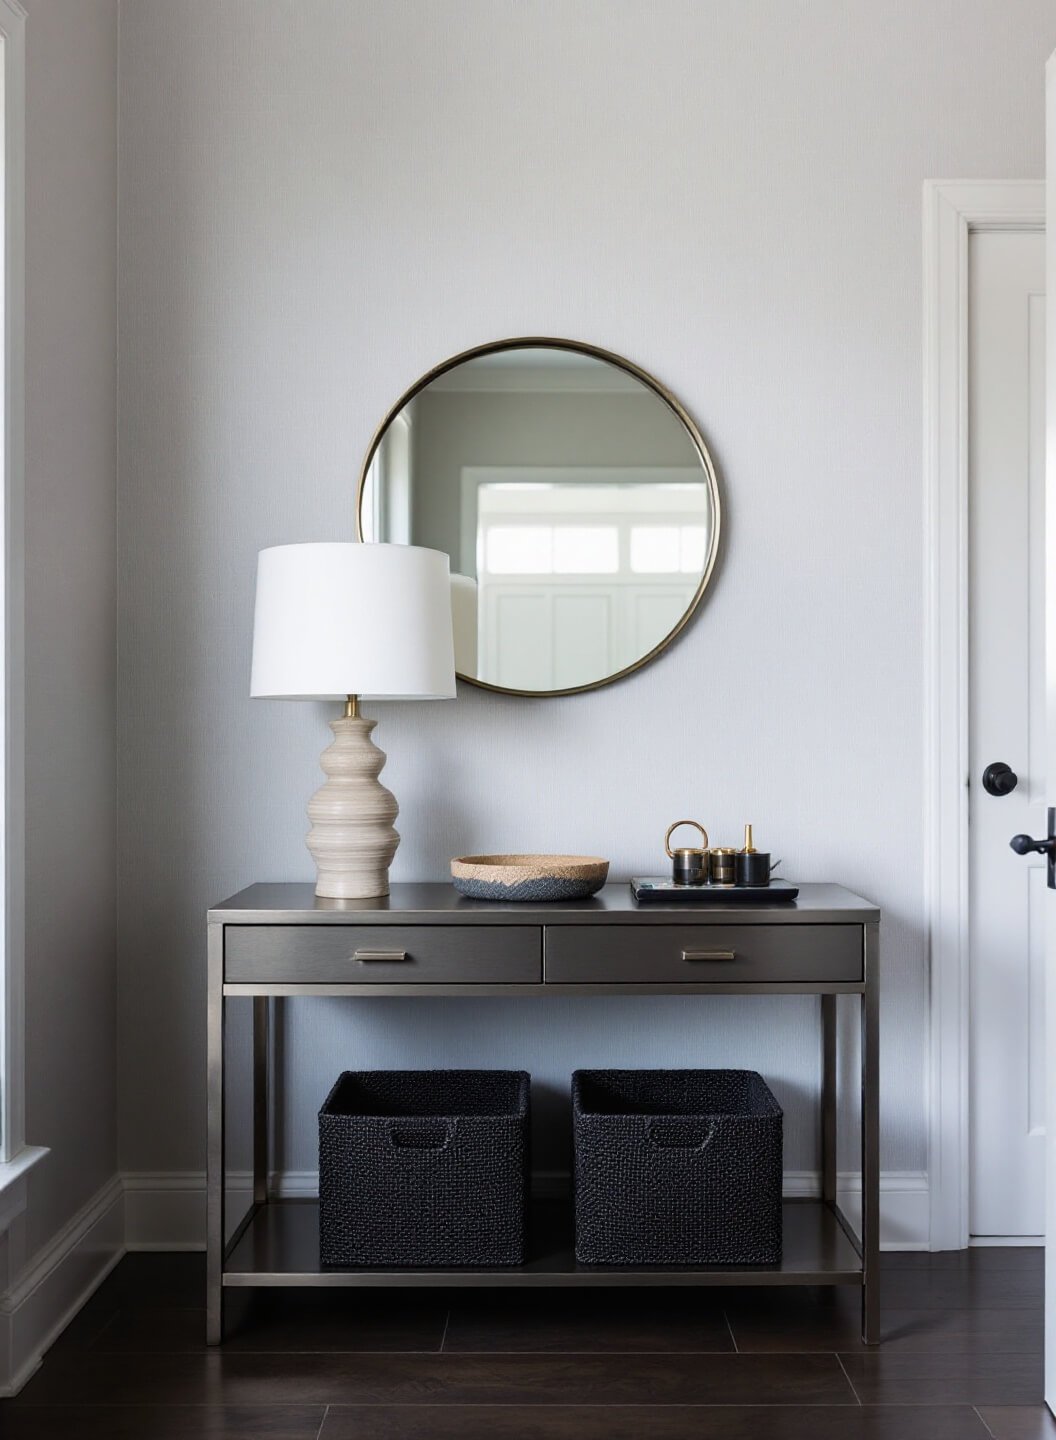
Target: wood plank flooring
961,1360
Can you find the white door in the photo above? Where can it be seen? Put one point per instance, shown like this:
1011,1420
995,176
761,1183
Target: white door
1007,727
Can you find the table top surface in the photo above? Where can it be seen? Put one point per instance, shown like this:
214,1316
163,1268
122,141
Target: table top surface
438,903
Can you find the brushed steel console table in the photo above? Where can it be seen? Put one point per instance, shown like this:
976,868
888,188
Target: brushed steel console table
423,940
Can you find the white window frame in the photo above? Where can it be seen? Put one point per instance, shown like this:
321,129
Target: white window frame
16,1157
476,476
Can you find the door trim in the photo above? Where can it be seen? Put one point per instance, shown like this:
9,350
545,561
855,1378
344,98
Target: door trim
952,210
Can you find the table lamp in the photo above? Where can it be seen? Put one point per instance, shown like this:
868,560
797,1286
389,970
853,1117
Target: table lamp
341,621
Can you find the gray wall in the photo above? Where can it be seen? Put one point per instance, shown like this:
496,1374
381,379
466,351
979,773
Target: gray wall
452,429
71,489
320,200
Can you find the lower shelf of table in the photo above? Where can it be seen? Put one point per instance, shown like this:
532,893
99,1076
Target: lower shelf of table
280,1246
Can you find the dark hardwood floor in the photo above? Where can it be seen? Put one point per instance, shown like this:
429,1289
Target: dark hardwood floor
961,1360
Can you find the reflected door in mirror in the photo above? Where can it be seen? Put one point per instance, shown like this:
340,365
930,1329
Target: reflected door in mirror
576,501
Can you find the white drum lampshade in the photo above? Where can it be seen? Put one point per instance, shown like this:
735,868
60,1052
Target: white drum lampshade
337,621
342,619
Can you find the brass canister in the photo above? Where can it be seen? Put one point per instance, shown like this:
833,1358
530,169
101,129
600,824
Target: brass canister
689,865
722,862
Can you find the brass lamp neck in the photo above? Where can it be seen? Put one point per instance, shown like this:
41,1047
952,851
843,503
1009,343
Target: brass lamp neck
352,707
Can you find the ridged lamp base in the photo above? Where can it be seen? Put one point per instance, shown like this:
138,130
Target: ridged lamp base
352,838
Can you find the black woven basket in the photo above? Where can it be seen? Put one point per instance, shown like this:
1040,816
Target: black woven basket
424,1167
676,1167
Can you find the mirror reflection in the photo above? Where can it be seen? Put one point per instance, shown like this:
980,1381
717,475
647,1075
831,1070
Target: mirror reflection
577,503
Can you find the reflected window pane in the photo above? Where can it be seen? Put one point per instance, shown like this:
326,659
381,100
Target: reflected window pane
520,550
694,548
655,549
586,550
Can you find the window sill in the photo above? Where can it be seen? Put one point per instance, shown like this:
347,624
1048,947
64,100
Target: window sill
13,1175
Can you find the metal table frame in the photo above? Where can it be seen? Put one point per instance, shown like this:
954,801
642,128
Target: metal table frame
254,1255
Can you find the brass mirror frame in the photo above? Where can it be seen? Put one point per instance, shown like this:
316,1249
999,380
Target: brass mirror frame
545,342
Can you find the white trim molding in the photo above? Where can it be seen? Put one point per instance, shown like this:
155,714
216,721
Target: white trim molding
952,210
165,1210
12,511
48,1294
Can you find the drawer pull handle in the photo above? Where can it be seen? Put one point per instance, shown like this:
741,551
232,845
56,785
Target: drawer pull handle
709,954
380,955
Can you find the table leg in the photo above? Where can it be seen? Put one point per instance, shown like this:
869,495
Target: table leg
260,1099
828,1099
215,1150
871,1140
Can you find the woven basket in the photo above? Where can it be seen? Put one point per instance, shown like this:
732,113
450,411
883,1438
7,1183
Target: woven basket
676,1167
424,1167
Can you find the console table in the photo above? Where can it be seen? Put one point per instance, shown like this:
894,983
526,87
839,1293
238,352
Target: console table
426,940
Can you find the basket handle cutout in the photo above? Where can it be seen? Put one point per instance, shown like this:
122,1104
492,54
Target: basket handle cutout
681,1135
430,1135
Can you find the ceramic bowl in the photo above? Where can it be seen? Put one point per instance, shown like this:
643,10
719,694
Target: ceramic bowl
529,877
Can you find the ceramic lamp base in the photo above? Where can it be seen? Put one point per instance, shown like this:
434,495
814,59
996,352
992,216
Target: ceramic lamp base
352,838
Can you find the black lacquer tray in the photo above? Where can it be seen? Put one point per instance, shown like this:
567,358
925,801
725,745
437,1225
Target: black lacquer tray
655,890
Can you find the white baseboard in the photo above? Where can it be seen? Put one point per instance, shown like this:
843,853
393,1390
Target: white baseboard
905,1205
46,1296
166,1210
1010,1242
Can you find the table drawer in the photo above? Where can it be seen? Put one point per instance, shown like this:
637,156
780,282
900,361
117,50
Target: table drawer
725,954
383,954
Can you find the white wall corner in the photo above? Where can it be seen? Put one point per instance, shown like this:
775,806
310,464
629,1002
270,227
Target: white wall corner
45,1297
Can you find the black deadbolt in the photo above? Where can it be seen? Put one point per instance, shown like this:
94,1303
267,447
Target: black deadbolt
999,779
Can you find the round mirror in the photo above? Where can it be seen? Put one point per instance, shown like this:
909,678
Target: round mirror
575,497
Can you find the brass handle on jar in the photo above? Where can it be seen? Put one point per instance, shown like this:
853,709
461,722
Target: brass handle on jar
672,828
379,955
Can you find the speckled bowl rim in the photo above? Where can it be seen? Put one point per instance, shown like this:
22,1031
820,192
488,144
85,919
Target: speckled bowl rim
530,867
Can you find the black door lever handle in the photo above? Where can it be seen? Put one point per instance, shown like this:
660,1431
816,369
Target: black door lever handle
1027,845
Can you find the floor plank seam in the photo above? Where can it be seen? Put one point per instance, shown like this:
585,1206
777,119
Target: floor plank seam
28,1406
232,1354
850,1382
655,1354
477,1354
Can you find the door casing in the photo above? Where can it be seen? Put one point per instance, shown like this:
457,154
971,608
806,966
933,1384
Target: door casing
952,210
